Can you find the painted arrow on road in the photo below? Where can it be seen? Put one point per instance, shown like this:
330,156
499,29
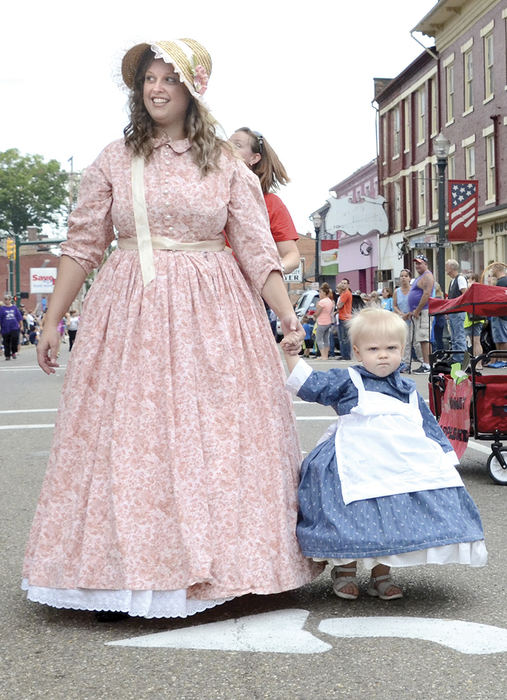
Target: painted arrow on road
465,637
282,632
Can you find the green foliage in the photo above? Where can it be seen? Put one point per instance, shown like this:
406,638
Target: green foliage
32,192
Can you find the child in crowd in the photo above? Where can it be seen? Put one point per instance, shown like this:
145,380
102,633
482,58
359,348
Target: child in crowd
308,339
382,485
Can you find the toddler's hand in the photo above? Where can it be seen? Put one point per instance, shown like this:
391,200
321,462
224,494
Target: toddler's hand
291,343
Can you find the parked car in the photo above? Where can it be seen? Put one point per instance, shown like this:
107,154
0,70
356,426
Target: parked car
307,304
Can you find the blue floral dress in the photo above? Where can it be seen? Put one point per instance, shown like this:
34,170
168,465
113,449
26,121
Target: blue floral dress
441,525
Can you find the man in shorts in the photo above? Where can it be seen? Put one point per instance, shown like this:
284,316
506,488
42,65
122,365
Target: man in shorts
499,323
420,292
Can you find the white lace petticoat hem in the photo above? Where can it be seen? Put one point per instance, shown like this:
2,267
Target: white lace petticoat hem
136,603
468,553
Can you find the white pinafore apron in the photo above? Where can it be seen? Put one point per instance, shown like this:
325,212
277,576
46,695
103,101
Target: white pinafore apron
382,449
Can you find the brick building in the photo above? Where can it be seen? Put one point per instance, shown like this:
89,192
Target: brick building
457,88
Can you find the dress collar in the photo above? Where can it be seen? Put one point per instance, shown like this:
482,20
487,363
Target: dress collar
178,146
395,379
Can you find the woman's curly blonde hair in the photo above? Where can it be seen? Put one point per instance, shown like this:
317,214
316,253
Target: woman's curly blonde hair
200,126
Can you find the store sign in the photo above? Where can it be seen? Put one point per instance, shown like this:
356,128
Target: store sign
297,274
42,280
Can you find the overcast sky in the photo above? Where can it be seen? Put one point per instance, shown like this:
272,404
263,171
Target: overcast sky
299,72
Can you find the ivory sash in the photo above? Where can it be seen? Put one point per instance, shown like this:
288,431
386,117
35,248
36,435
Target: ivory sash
144,241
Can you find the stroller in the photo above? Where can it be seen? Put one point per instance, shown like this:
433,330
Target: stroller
488,408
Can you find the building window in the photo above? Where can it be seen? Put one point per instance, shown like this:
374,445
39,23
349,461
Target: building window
384,139
408,201
469,162
488,66
434,192
421,189
396,132
490,168
449,76
421,115
406,124
451,167
397,207
434,106
468,72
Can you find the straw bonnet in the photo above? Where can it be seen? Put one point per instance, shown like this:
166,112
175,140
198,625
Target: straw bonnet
190,60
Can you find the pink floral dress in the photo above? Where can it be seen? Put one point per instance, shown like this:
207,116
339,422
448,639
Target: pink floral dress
173,475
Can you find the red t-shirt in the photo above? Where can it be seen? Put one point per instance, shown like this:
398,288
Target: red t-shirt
345,312
280,221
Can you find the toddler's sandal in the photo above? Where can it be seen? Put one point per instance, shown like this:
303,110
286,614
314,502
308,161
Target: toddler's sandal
340,582
378,586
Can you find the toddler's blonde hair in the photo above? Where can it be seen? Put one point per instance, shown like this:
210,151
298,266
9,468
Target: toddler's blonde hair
377,323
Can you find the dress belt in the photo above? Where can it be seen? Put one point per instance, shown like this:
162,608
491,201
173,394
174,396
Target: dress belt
144,241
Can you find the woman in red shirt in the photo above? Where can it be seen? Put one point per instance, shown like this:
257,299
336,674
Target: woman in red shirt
263,161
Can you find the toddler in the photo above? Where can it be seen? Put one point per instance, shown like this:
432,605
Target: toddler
381,485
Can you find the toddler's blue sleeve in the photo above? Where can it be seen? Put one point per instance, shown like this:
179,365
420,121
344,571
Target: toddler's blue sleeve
432,428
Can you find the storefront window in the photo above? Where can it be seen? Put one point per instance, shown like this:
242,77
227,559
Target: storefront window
471,257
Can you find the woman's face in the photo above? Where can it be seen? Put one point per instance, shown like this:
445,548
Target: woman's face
404,277
243,143
166,99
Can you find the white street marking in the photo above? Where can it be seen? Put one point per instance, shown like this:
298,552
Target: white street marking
473,445
315,417
27,426
465,637
31,410
28,369
280,631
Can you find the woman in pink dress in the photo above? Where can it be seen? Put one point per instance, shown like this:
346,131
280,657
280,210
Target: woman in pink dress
178,489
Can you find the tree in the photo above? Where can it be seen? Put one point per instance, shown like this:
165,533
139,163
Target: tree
32,192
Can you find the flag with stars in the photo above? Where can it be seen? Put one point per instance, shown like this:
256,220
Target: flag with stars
463,209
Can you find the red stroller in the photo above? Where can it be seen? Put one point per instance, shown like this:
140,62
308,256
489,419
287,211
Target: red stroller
488,408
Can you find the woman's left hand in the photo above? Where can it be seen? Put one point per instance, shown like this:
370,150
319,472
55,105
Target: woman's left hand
293,332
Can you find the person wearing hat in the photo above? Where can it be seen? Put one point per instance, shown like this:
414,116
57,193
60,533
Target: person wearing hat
420,292
179,490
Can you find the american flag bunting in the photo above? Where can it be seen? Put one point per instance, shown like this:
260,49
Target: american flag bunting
463,210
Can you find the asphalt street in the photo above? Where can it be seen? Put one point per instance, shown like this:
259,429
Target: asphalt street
447,638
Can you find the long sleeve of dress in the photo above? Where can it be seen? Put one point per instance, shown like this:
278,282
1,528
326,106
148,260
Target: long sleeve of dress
90,224
327,388
248,229
432,428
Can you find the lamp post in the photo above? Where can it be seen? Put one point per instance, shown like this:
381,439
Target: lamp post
317,223
441,147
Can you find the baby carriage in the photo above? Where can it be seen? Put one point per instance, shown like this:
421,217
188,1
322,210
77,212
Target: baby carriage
488,405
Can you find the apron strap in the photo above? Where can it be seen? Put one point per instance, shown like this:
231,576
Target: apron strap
357,380
141,220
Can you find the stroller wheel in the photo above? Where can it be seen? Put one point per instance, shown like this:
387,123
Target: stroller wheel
496,471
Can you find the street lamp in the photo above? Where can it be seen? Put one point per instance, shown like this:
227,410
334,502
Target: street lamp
441,146
317,223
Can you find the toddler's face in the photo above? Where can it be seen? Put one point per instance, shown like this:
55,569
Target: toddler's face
379,356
